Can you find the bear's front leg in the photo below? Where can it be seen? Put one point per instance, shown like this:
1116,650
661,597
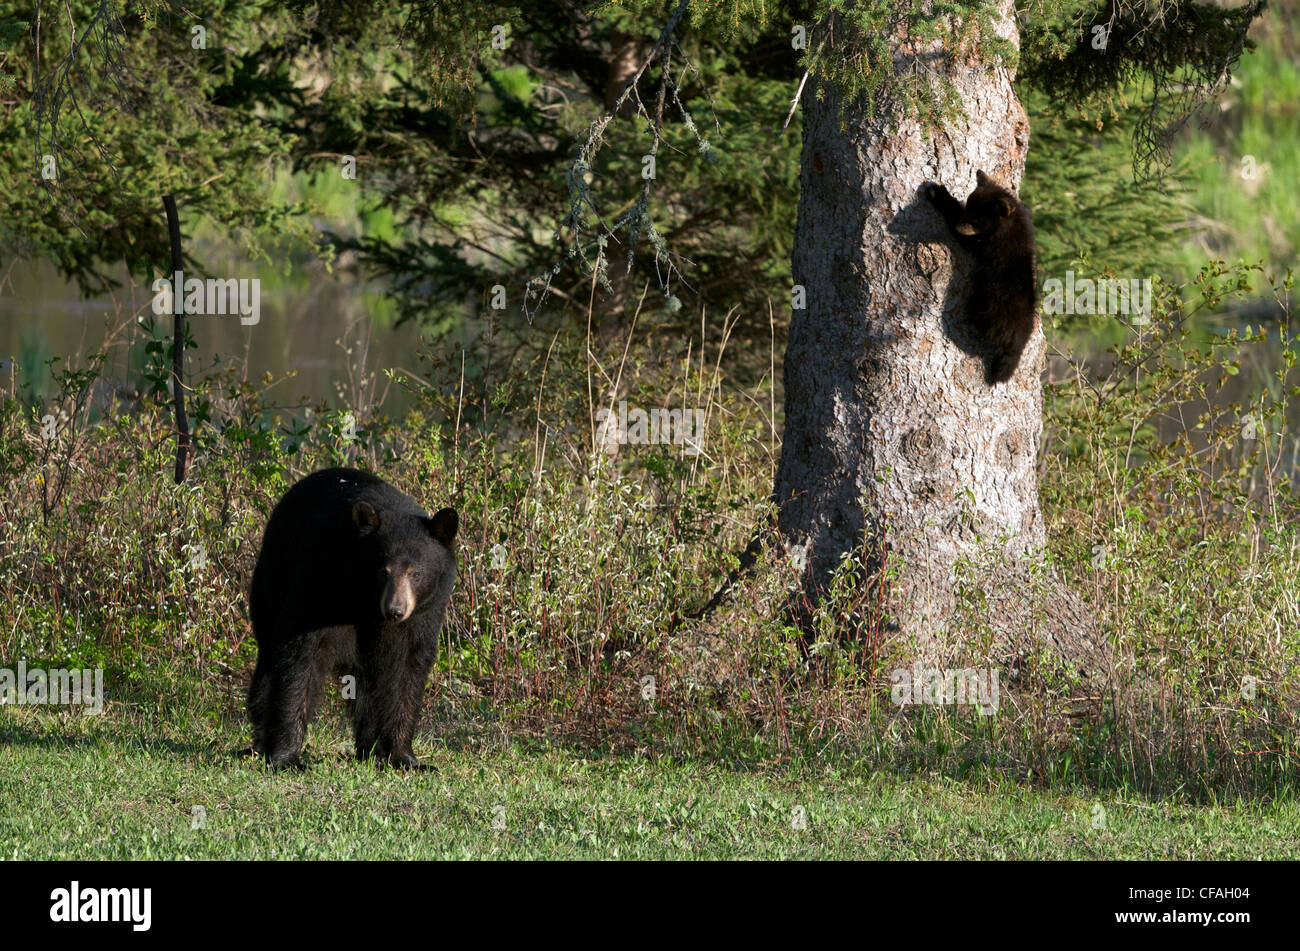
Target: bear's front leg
390,688
415,676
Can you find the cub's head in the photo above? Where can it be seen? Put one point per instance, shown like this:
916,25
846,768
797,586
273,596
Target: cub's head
413,557
987,208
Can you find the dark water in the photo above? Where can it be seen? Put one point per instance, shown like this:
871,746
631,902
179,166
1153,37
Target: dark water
318,325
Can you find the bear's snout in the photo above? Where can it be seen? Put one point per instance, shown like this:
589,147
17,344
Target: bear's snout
398,600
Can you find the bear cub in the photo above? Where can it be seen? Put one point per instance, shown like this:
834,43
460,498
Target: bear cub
353,578
995,226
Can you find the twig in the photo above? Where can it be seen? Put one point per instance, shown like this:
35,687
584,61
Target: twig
178,340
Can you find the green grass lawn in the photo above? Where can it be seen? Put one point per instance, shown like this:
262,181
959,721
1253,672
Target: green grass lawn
103,788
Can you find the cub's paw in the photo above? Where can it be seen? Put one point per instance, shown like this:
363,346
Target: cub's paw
934,193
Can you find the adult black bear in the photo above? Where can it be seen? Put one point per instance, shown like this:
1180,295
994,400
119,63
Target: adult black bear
995,226
352,578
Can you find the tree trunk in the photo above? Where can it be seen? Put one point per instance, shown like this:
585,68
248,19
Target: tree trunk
892,437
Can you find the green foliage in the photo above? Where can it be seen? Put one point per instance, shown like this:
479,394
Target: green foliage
117,137
866,49
458,44
1090,215
1171,503
1181,52
465,147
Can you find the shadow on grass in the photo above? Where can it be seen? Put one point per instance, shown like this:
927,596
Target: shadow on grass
48,736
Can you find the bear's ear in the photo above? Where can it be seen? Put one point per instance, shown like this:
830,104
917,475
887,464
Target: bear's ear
1005,206
365,518
443,526
980,177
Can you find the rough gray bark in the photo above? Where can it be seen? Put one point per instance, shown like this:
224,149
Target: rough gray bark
892,436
